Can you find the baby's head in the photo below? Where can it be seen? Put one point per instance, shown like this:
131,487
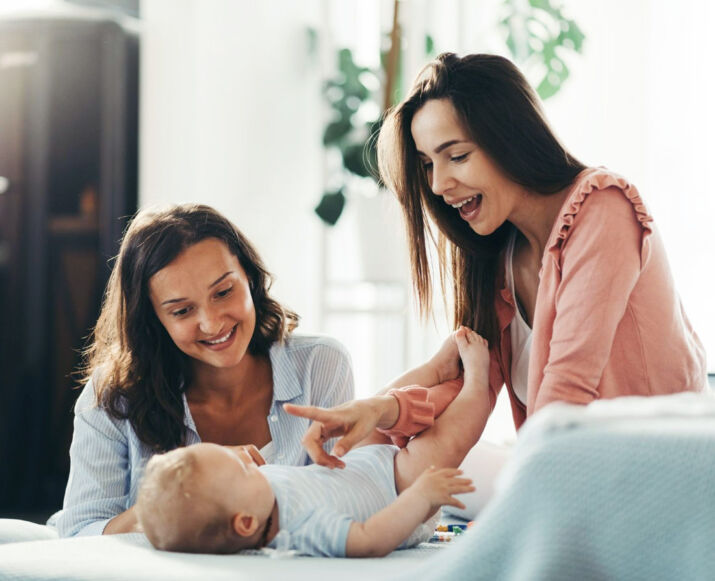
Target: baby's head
204,498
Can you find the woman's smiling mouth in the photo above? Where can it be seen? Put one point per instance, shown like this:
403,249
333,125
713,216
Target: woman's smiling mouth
220,342
469,208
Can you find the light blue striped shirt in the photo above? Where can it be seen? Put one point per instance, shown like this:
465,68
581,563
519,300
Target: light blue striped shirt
108,459
317,505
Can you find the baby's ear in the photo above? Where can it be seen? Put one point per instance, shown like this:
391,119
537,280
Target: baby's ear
245,525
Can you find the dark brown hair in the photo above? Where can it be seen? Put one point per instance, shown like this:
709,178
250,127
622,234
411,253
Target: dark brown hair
139,372
502,114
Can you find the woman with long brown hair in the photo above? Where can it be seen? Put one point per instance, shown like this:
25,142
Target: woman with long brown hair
558,265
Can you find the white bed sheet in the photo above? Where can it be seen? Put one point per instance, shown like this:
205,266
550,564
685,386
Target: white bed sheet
130,557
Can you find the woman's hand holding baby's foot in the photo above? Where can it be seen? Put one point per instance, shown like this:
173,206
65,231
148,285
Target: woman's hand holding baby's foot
446,360
474,352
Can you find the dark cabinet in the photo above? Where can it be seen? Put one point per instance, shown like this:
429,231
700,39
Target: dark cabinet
68,183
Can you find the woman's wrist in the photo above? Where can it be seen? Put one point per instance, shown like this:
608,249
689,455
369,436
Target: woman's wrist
412,414
388,411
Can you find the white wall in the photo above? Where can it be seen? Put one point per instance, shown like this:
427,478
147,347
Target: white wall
231,116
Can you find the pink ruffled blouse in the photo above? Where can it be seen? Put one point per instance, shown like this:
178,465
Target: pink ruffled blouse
607,322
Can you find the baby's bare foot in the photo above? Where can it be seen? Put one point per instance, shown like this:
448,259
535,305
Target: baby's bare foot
474,351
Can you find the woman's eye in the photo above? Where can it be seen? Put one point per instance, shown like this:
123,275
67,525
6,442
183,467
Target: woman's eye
180,312
224,293
427,165
459,158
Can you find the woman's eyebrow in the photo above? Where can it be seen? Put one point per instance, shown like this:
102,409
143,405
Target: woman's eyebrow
220,278
441,147
173,301
213,284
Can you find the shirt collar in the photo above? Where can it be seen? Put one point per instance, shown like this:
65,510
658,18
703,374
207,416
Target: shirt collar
286,384
188,418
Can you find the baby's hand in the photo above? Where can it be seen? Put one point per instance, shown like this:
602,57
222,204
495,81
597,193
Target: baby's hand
438,486
474,351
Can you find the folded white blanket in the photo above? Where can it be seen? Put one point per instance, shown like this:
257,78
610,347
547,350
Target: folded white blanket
620,410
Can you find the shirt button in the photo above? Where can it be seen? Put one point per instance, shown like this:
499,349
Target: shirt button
274,418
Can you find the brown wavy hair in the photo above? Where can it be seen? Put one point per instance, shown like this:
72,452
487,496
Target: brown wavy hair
138,371
503,116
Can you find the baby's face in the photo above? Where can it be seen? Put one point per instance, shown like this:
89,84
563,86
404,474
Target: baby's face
232,470
230,462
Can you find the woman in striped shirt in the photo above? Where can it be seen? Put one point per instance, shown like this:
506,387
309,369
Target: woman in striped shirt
189,347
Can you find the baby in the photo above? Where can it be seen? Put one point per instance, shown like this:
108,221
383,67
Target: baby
215,499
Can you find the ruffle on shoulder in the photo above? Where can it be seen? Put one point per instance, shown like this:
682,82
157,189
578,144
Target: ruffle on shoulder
590,180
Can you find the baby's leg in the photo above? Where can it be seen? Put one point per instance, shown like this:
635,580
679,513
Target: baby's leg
454,433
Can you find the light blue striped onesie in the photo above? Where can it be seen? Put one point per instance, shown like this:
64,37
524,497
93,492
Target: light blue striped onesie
317,505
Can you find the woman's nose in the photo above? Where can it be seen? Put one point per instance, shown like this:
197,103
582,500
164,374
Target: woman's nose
209,322
441,182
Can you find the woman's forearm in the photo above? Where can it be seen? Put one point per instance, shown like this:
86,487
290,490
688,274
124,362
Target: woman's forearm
389,410
425,375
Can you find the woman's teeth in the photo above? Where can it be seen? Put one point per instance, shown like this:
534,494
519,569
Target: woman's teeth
460,204
221,340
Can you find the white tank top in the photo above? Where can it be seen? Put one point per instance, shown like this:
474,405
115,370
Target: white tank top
520,333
